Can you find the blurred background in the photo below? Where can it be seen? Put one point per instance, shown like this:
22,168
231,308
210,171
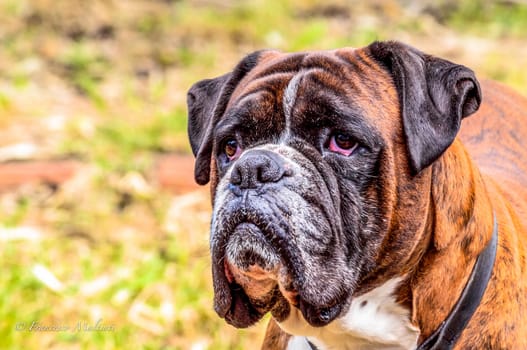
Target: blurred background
103,234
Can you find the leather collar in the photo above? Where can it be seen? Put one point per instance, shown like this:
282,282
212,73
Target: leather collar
446,336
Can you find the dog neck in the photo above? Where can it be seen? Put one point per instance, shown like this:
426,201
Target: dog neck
462,226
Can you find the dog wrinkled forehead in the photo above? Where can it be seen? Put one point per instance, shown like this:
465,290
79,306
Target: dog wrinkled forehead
342,72
300,92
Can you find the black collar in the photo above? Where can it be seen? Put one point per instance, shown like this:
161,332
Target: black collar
446,336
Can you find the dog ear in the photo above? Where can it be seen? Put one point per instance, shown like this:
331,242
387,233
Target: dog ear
206,103
434,95
202,99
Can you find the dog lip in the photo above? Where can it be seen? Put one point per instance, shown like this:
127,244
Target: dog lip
319,316
290,295
222,304
227,271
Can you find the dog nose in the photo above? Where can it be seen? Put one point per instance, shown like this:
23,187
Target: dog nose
257,167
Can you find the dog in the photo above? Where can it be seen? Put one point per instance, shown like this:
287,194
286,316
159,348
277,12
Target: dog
351,204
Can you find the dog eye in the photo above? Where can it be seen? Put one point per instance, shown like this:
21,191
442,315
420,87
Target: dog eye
232,149
342,143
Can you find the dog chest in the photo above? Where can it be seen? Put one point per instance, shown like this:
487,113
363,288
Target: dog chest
374,321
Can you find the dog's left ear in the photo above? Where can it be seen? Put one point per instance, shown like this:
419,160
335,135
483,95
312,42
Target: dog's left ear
434,96
206,102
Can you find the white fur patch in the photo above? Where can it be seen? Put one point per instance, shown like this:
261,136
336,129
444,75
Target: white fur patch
298,343
373,321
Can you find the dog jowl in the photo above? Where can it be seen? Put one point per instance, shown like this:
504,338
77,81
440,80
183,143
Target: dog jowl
325,170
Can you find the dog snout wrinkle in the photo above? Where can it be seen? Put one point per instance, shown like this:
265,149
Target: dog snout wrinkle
258,167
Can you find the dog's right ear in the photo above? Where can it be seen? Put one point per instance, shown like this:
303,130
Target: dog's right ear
202,98
206,102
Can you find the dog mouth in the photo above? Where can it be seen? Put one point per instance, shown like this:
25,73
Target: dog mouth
257,271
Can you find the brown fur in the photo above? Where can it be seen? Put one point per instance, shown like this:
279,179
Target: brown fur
493,139
275,338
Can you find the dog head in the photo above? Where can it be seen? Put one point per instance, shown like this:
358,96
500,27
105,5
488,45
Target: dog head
313,159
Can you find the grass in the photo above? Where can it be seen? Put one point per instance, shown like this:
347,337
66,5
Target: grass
105,82
121,145
491,18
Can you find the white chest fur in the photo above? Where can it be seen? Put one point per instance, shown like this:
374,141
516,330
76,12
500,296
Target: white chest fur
374,321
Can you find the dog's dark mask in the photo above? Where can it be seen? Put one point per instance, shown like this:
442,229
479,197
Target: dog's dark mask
297,147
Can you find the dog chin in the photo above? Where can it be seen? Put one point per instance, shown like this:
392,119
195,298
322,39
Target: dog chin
251,268
258,282
245,311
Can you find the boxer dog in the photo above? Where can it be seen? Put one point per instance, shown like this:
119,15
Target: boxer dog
348,203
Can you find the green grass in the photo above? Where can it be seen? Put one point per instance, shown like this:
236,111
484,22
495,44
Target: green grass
122,145
491,18
136,259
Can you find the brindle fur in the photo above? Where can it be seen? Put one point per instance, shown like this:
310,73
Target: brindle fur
408,208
